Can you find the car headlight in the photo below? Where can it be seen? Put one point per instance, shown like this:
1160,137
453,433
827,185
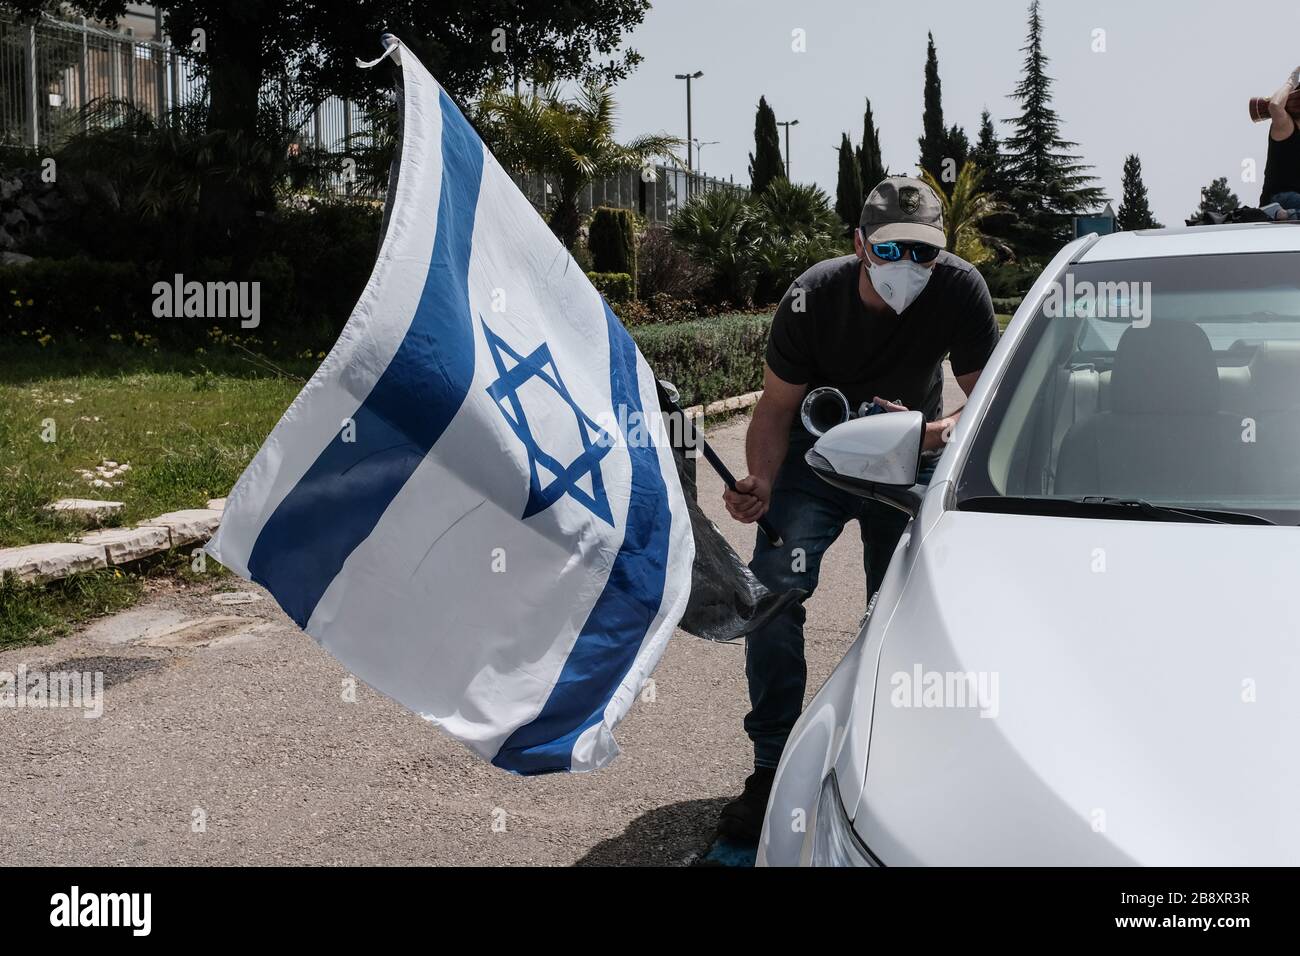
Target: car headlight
834,841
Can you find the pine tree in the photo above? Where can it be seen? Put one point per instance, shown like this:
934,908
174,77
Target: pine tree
934,142
848,186
870,168
1216,198
1134,208
1051,185
765,163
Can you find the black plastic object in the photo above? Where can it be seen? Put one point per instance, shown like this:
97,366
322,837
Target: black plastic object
727,601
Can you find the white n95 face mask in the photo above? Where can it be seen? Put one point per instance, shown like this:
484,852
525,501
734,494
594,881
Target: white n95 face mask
899,283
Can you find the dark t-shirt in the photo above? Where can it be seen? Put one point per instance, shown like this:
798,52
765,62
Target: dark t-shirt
1282,169
836,340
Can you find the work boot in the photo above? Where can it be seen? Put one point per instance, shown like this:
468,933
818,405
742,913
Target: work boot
741,821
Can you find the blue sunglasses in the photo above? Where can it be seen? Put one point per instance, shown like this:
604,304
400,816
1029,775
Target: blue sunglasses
893,251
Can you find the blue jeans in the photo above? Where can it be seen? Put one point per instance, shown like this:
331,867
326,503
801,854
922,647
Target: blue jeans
809,515
1287,200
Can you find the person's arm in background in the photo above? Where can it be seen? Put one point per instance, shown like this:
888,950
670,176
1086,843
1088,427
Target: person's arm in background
766,443
1283,122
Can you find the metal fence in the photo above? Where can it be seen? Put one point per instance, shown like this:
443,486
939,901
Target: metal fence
51,68
656,192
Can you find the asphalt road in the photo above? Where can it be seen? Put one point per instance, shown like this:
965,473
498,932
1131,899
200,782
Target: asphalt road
225,739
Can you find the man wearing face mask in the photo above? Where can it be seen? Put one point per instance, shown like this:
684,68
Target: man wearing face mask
876,325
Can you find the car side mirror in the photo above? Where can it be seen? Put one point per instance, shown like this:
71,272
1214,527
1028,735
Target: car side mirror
877,456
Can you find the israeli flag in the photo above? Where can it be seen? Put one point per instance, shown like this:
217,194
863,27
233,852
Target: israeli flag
473,504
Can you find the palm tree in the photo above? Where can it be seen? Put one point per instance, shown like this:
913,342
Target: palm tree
754,247
571,142
964,208
716,230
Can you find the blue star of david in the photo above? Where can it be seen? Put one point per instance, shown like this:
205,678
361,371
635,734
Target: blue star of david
505,392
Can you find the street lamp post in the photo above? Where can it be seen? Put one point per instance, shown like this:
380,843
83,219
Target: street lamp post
699,148
787,126
688,77
689,165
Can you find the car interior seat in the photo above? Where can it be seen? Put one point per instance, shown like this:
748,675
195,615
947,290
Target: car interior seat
1274,404
1164,435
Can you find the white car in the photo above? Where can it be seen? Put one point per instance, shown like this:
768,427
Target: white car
1087,646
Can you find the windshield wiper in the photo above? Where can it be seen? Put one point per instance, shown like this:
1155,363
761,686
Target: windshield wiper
1106,506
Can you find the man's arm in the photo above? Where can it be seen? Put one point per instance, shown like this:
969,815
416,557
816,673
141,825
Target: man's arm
938,432
1283,122
766,443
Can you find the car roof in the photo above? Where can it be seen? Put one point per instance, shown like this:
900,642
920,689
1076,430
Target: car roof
1195,241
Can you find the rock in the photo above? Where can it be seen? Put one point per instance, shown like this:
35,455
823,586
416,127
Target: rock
123,545
217,504
228,598
14,259
189,525
48,562
85,507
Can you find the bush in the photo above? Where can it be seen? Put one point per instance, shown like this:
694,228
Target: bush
78,296
612,241
658,309
664,269
614,286
314,266
707,359
329,249
1010,280
754,247
1008,305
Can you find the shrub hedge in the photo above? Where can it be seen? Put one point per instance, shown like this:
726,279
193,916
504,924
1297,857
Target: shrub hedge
614,286
707,359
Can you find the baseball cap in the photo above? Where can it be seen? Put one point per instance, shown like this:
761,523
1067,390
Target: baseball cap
902,209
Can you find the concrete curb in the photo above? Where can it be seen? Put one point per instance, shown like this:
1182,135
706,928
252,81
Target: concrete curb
114,547
726,405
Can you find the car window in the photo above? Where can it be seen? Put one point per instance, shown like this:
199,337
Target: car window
1174,381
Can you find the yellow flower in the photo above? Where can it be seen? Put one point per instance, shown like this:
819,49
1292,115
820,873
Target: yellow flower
30,302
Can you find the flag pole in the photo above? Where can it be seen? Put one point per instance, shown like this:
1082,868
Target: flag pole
668,399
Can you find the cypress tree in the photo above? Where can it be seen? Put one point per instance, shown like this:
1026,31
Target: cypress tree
934,141
870,168
987,155
848,186
1135,208
765,163
1050,184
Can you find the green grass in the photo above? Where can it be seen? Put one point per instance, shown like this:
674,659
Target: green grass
186,424
1003,321
39,614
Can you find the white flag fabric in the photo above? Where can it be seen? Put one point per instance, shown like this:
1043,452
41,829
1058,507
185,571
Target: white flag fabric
473,504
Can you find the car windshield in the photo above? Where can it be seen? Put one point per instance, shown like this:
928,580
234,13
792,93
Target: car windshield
1173,382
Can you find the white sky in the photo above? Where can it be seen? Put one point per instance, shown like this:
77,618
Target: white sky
1172,85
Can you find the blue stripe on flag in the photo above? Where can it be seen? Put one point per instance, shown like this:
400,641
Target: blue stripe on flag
338,502
616,627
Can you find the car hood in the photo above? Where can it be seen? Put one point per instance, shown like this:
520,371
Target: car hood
1062,690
